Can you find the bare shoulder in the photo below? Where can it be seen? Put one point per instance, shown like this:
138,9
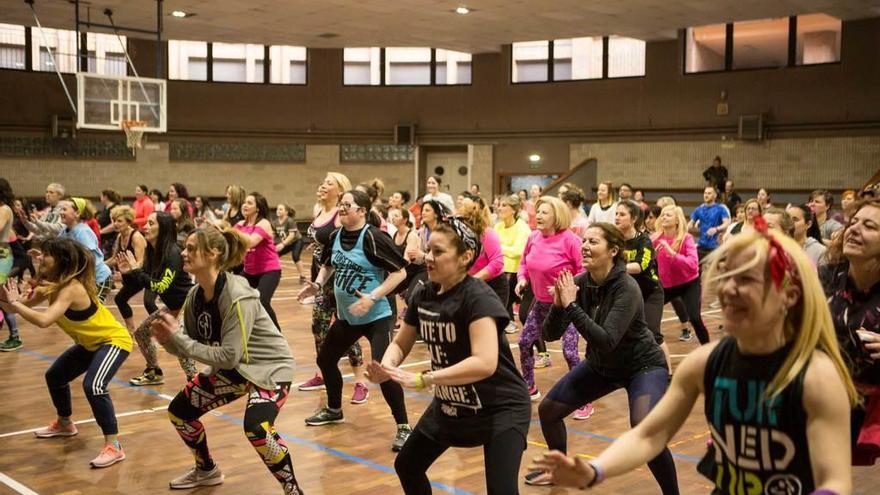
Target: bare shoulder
693,367
823,385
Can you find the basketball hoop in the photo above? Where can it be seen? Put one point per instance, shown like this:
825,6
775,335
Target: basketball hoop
134,133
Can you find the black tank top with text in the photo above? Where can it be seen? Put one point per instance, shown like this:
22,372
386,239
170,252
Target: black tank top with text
759,446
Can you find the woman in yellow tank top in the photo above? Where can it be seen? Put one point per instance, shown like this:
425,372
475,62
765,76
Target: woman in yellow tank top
101,342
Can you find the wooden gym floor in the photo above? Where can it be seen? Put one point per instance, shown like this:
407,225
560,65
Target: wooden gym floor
351,458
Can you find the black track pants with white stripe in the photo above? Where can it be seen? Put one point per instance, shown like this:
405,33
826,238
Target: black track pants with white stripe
99,367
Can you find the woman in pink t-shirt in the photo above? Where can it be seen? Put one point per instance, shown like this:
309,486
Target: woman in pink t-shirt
679,266
262,266
489,265
551,249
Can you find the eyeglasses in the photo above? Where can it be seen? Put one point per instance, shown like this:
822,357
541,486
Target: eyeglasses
347,206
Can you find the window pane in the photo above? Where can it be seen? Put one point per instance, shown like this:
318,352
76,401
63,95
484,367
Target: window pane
452,67
406,66
818,39
530,61
577,58
704,48
288,64
188,60
237,62
760,43
106,55
361,66
61,42
626,57
12,46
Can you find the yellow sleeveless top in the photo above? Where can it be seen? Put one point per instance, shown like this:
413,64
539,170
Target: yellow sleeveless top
101,328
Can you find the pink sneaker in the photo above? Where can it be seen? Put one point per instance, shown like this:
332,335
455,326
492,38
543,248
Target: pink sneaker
361,393
56,429
316,383
584,412
534,394
109,456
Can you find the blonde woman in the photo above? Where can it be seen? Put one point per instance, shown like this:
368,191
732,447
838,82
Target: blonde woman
513,233
129,240
751,210
679,267
326,221
794,424
605,207
235,196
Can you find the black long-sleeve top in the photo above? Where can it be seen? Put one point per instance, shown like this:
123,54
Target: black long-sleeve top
168,280
610,316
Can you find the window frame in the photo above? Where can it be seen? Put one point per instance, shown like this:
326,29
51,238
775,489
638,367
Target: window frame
383,74
267,66
791,50
551,63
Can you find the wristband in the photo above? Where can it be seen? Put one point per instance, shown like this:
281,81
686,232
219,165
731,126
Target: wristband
600,474
420,382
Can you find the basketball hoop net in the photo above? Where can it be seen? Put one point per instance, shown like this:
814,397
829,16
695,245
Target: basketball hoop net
134,134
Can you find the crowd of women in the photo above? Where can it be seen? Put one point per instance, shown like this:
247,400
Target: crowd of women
796,369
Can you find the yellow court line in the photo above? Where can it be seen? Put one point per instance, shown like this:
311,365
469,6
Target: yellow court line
685,440
585,456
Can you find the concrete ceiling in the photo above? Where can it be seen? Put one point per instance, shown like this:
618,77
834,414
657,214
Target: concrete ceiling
491,24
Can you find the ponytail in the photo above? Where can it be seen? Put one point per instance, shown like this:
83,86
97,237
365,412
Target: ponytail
228,243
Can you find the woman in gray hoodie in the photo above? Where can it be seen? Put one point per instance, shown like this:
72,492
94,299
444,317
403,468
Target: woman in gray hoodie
225,326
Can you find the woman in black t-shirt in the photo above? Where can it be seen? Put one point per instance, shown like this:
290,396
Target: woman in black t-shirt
777,392
480,398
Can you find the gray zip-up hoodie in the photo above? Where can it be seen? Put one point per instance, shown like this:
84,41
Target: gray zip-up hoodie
250,342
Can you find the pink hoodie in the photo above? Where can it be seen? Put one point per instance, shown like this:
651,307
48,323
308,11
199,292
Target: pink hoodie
546,256
680,268
491,258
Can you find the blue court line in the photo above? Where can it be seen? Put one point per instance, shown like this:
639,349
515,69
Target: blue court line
290,438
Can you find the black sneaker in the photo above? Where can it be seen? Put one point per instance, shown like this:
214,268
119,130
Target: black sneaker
686,335
325,416
532,479
403,432
11,344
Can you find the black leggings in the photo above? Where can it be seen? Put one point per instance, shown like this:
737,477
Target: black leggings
266,283
129,288
690,294
511,294
501,456
654,313
295,249
500,287
583,385
339,339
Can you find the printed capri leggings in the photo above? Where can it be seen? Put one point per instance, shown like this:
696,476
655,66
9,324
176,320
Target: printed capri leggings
323,312
532,332
148,347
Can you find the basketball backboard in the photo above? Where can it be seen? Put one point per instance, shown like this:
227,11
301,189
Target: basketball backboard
105,102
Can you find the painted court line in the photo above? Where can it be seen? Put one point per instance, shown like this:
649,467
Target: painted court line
351,375
92,420
18,487
290,438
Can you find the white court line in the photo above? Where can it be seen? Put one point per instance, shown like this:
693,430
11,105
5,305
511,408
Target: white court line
708,312
18,487
92,420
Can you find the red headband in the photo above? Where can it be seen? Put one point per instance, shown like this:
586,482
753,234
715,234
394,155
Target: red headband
781,263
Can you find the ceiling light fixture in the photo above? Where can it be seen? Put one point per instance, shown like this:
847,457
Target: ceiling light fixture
462,10
534,158
179,14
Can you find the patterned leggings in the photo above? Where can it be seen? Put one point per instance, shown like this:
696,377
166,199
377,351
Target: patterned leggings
322,315
532,331
148,347
207,392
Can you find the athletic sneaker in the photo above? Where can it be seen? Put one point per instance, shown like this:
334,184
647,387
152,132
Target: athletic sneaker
109,456
361,394
56,429
325,416
403,432
584,412
196,477
510,328
686,335
532,479
316,383
10,344
534,394
543,360
150,376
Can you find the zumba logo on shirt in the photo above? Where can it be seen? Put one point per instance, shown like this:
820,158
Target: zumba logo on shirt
752,456
441,339
350,277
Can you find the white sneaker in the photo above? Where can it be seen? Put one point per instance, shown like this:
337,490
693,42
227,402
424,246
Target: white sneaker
510,328
196,477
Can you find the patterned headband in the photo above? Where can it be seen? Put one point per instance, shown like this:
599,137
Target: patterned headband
782,268
466,234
